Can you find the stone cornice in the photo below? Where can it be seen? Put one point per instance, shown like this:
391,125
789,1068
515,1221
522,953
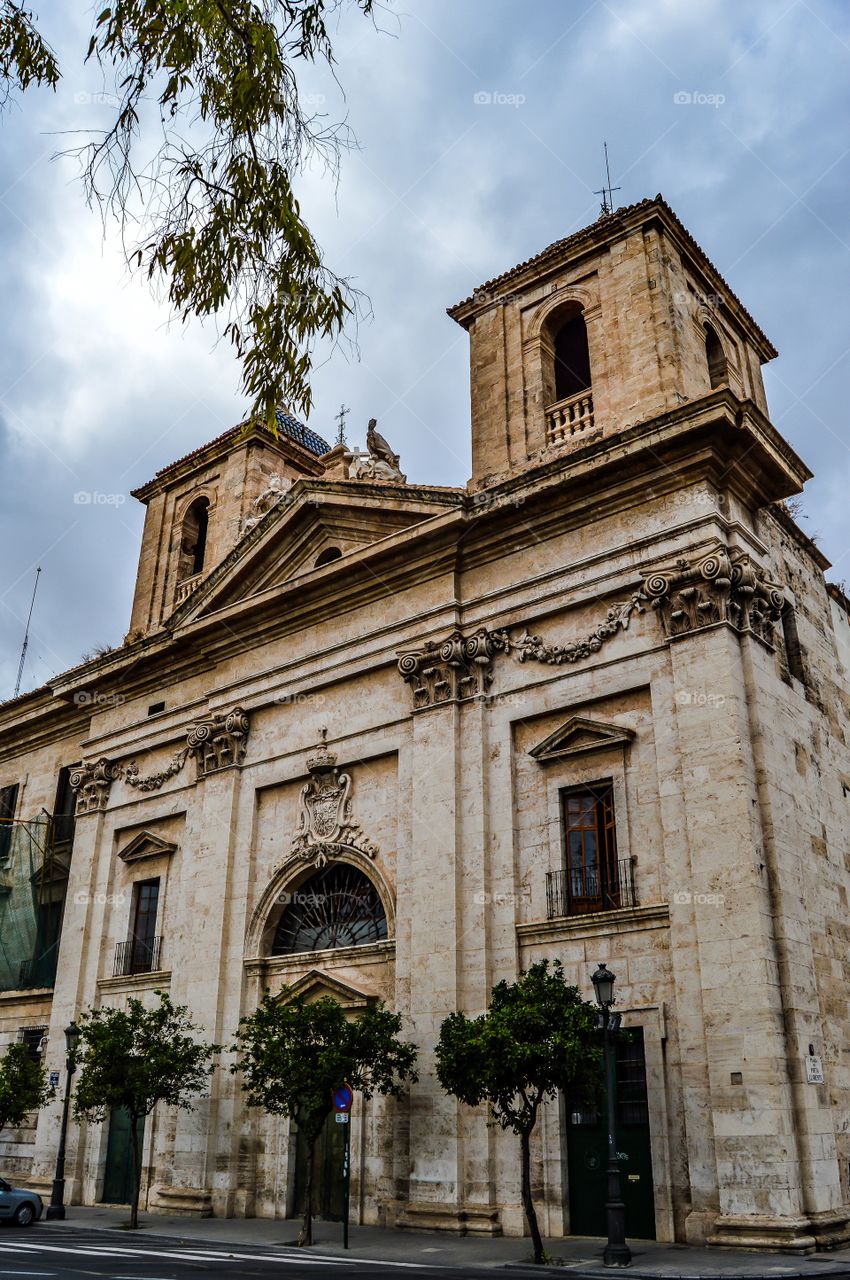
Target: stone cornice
368,953
599,924
160,978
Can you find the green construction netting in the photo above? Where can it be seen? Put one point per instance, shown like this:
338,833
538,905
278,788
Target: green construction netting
24,868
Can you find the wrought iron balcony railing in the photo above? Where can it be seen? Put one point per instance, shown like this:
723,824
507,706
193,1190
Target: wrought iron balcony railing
136,955
576,891
40,972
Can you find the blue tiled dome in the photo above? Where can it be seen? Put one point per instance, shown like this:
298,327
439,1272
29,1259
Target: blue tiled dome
300,434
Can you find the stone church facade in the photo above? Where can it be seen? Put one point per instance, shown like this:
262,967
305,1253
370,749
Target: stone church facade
386,740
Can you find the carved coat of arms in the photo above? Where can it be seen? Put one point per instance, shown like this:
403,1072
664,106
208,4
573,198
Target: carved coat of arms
326,825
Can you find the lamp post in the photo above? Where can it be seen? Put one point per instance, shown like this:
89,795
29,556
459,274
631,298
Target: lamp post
56,1208
617,1252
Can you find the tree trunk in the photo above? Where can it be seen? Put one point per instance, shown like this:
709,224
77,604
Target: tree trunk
137,1172
306,1236
527,1201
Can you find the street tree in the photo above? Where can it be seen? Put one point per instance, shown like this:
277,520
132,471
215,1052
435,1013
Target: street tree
537,1037
293,1053
209,130
23,1085
135,1058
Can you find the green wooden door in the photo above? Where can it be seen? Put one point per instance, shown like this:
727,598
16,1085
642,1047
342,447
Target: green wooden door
586,1137
118,1175
327,1172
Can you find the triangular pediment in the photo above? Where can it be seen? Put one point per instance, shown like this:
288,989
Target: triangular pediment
315,984
146,845
580,734
313,517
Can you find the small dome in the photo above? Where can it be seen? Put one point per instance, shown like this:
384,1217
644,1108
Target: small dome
302,435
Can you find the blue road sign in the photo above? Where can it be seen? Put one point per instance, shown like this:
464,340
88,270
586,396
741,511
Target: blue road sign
342,1097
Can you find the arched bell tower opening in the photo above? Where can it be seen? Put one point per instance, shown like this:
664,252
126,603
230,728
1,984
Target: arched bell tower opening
193,539
567,394
572,358
718,369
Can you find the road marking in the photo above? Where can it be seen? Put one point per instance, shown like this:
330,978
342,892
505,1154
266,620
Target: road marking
189,1255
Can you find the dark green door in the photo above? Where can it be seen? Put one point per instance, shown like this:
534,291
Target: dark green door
327,1172
118,1175
587,1150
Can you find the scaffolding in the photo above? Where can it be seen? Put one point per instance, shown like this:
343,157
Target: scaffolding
33,879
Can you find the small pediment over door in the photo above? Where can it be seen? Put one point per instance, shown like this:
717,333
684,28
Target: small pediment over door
315,984
146,845
578,735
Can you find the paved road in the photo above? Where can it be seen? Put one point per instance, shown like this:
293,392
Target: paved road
62,1252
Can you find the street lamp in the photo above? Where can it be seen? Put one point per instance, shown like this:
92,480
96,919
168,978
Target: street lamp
617,1252
56,1208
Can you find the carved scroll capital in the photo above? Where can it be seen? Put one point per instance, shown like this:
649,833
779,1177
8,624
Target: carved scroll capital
92,782
724,586
219,740
451,670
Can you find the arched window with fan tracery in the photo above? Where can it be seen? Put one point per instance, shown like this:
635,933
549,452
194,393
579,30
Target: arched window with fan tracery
337,907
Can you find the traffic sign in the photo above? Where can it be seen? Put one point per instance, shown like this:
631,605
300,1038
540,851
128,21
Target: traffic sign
342,1097
54,1079
341,1117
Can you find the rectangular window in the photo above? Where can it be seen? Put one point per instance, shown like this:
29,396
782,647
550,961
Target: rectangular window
63,808
593,879
140,953
8,806
32,1037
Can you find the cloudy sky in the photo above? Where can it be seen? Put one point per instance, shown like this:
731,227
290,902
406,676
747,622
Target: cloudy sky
480,125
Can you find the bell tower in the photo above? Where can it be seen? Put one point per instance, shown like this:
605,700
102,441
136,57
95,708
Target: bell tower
612,327
200,506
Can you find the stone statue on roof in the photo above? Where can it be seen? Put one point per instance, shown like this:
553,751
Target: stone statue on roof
380,463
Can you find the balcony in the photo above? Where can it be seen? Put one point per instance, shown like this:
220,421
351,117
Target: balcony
577,891
186,587
136,955
40,972
570,417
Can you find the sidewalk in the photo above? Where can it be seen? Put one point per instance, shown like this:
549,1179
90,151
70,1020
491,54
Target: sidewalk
579,1256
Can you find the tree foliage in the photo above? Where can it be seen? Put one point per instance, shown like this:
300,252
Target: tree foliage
292,1054
210,212
538,1037
23,1085
135,1058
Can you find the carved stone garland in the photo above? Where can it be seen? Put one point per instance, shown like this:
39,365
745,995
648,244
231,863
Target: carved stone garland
216,742
527,646
721,587
326,827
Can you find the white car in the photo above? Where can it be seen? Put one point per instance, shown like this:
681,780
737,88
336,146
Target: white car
18,1206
